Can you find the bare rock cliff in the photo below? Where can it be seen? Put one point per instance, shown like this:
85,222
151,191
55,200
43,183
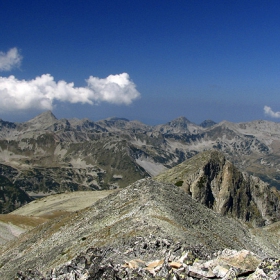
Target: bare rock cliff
215,182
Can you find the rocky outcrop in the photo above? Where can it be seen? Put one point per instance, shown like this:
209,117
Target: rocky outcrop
215,182
174,261
146,221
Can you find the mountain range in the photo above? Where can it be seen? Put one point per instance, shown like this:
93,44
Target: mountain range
45,155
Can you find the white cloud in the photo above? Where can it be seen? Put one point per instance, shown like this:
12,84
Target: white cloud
10,59
41,92
115,89
268,111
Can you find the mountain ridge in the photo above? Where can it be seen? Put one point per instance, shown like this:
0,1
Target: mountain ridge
115,152
146,215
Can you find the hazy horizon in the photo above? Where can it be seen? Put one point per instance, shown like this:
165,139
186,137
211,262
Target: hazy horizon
152,61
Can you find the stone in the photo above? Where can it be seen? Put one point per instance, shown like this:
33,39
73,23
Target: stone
220,271
175,264
269,268
154,264
243,261
199,270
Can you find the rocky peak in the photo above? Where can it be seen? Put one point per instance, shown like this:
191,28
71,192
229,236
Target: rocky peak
116,119
42,121
179,125
215,182
180,121
5,125
207,123
113,123
45,116
87,125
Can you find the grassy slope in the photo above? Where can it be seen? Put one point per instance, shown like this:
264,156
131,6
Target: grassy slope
44,209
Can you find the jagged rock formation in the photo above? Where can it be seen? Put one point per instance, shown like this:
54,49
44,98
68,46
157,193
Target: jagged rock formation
215,182
147,220
50,155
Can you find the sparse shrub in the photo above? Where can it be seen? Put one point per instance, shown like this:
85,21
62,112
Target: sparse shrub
179,183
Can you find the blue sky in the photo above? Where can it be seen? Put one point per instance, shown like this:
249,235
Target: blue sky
148,60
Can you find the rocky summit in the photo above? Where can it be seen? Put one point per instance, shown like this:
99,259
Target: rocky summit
148,230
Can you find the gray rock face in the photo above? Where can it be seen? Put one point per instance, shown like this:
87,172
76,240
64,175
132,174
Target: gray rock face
268,269
215,182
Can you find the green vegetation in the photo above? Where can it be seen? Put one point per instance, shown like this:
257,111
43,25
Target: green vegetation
179,183
23,221
201,182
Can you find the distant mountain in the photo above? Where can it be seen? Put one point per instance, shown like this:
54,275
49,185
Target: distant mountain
42,121
146,230
179,125
46,155
207,123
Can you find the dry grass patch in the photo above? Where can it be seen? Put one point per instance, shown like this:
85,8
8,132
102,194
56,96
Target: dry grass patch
54,214
51,206
22,221
273,228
